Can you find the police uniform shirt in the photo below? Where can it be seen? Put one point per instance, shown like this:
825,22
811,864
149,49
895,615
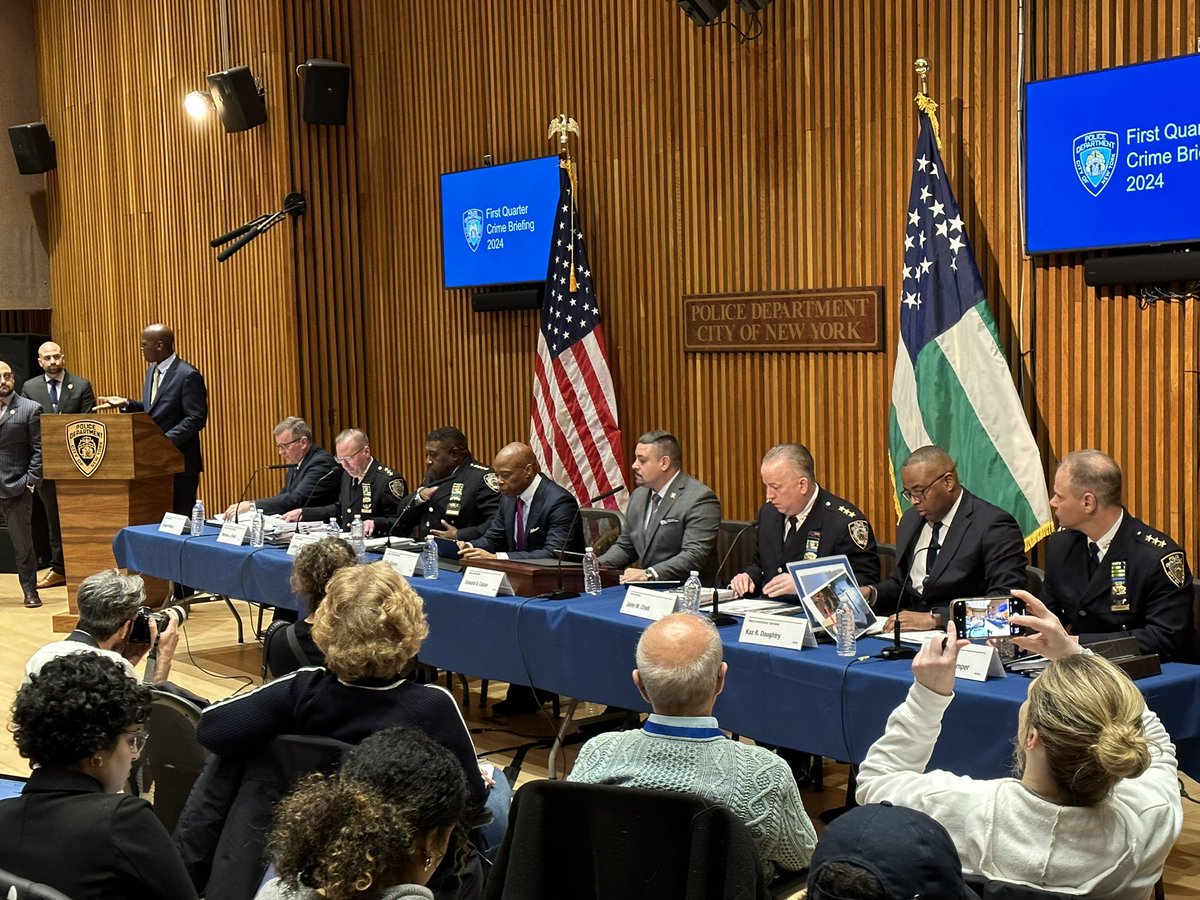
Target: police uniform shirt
467,499
375,496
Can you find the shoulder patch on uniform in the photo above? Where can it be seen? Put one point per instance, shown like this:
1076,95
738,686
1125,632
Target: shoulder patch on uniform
860,533
492,480
398,487
1175,567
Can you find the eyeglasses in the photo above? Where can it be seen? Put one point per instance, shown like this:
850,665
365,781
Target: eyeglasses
918,493
279,446
137,740
7,376
346,459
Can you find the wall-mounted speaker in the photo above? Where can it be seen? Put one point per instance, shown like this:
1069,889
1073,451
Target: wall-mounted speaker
1142,268
508,298
703,12
326,92
33,148
238,100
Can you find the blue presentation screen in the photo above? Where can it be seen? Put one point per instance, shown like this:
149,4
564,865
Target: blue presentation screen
1112,158
496,223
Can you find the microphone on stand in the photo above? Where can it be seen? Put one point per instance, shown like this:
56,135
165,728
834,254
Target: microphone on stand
559,593
898,650
312,490
237,510
715,616
413,499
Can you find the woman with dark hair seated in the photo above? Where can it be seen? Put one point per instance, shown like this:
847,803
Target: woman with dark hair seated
79,721
378,829
291,647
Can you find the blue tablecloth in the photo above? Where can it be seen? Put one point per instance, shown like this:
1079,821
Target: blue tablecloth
811,700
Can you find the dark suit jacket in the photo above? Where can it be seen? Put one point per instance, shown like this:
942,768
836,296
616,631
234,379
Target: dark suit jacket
65,832
74,393
982,554
20,446
309,483
548,525
834,527
180,409
681,537
1150,569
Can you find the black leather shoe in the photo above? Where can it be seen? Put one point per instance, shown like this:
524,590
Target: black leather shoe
520,701
32,601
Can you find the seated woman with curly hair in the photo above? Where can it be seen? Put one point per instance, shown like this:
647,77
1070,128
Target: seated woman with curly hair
291,647
377,829
79,721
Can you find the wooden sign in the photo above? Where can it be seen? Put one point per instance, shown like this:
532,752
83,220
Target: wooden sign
821,320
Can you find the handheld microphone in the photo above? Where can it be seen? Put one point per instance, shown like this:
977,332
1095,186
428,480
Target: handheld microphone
898,650
559,593
715,616
236,232
237,510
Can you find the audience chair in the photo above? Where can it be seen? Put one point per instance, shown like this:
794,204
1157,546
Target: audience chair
601,527
617,843
13,887
172,759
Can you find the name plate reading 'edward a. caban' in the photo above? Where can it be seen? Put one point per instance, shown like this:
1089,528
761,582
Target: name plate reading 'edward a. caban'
484,582
820,320
87,440
791,632
647,604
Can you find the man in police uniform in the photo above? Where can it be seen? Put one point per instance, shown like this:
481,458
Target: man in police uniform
368,489
458,495
801,520
1107,572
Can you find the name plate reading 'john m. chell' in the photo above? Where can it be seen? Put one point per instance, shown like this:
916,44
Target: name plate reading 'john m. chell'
821,320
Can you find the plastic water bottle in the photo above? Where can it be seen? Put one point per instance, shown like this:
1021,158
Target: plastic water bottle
251,512
357,542
429,558
591,573
333,527
257,527
689,600
847,643
197,519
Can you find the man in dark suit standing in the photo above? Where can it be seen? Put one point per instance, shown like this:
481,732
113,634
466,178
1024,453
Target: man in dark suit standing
802,520
57,391
20,472
536,518
1110,574
310,481
954,545
672,519
177,400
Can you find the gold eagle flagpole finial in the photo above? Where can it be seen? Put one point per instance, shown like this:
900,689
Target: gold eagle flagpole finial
564,126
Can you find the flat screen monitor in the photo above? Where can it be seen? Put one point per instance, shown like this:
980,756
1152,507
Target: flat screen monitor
496,223
1112,158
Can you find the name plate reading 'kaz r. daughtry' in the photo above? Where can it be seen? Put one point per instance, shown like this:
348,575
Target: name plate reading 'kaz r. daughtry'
820,320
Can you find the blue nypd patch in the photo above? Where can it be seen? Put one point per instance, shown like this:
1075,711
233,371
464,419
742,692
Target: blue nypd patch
473,227
1095,155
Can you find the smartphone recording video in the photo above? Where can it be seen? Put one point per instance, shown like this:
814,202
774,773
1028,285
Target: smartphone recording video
980,618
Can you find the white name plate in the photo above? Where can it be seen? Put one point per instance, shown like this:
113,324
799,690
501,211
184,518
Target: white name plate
977,661
232,533
484,582
300,541
647,604
174,523
402,561
790,632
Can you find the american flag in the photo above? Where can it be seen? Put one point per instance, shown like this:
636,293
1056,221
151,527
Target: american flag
573,426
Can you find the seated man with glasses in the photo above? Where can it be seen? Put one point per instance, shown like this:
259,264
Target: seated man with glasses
310,481
949,544
368,489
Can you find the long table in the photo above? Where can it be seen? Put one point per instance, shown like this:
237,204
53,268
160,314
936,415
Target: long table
811,700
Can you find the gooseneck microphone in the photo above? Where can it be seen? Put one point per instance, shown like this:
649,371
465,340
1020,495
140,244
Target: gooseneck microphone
898,650
559,593
412,499
715,616
237,510
312,490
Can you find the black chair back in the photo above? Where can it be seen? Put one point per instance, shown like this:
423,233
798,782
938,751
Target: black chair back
887,559
616,843
13,887
738,560
601,528
296,755
172,759
1034,579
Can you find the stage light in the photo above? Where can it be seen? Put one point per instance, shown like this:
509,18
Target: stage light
198,104
703,12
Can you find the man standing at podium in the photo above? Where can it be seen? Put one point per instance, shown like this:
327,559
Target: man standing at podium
20,472
57,391
177,400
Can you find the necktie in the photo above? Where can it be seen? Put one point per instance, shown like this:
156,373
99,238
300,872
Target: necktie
652,511
789,527
53,385
520,535
934,547
154,384
1093,559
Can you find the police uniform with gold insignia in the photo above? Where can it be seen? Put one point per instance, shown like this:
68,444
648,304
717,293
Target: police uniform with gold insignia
1142,587
376,496
467,499
833,527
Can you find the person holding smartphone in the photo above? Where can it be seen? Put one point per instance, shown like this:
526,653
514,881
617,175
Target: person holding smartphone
1093,808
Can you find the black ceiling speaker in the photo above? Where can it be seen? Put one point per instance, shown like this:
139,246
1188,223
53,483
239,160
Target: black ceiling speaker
238,100
703,12
33,148
326,92
753,6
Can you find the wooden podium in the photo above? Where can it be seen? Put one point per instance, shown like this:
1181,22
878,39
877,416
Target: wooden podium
533,578
110,470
